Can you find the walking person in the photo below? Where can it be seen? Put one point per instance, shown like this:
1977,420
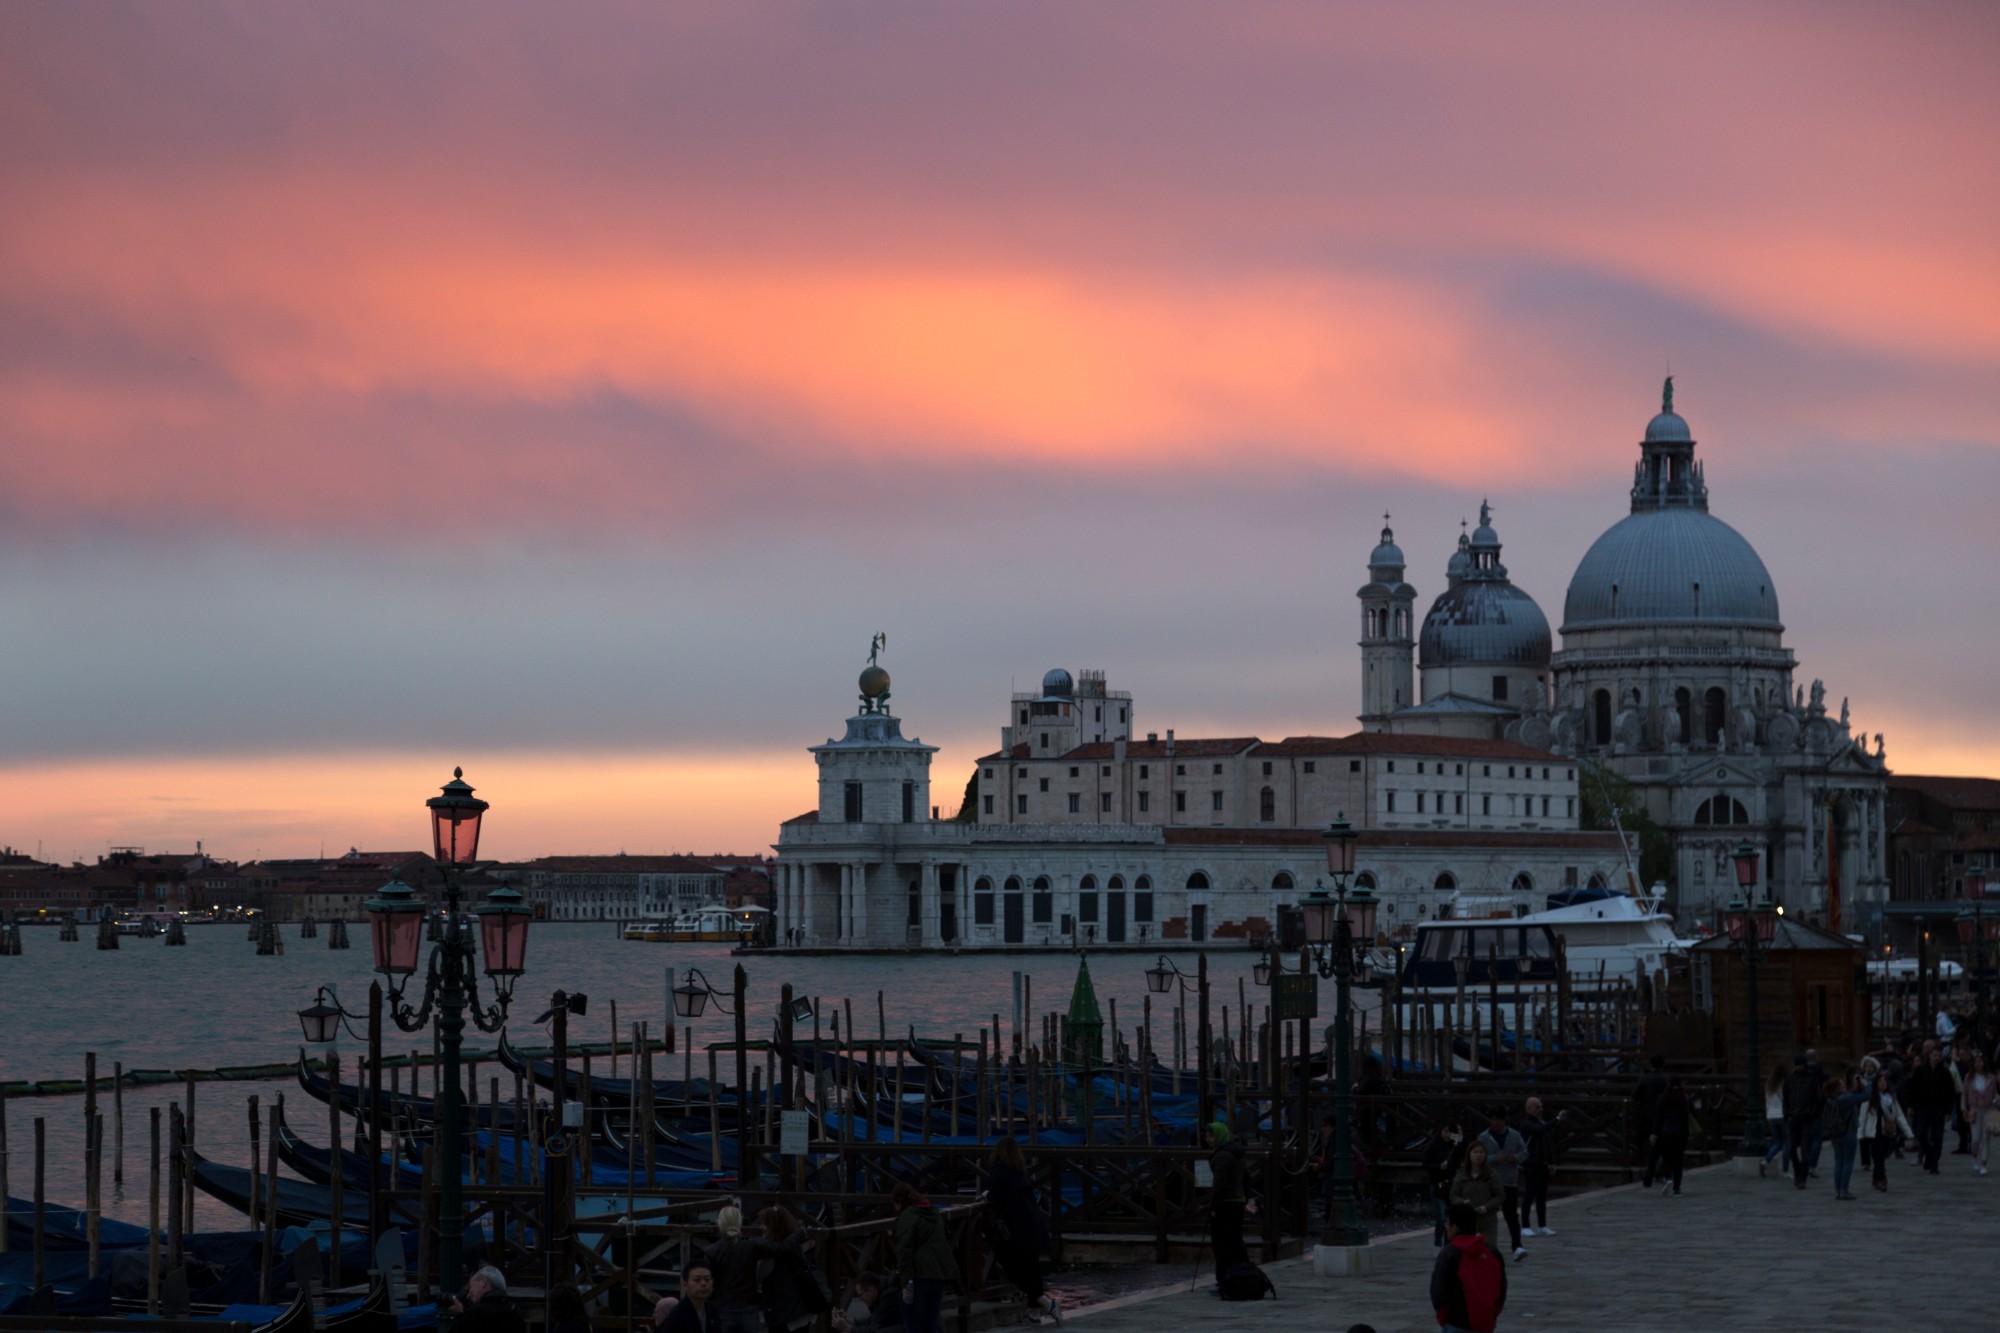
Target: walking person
1226,1199
733,1260
1540,1136
1883,1128
1976,1101
1504,1149
790,1295
1468,1281
1932,1095
924,1257
1444,1153
1774,1117
1645,1102
1672,1123
1802,1107
1476,1187
1840,1126
1015,1223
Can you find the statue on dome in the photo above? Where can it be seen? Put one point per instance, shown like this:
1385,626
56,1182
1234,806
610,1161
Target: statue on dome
876,645
1667,395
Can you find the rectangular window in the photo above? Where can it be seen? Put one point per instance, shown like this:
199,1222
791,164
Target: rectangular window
1216,769
1513,806
1545,807
1104,802
1499,689
1267,768
982,909
1354,765
1045,784
1086,907
1310,766
1180,770
1572,807
909,802
1180,800
1021,804
1104,772
1121,715
1020,772
1145,770
1215,800
986,773
1420,766
1076,803
1458,770
1391,807
1420,802
1097,713
1545,775
1142,905
1045,740
1487,770
1486,805
1458,803
1145,801
1072,770
1510,770
1391,766
988,804
853,794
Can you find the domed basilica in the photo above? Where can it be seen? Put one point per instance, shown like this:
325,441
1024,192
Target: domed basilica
1673,674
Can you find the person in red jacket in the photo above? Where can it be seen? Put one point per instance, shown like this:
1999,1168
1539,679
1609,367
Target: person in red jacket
1469,1280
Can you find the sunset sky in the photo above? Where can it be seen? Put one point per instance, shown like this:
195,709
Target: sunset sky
570,392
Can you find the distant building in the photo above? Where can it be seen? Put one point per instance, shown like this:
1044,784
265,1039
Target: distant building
614,888
326,888
1944,847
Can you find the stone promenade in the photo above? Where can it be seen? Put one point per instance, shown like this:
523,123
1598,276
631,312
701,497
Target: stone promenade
1733,1252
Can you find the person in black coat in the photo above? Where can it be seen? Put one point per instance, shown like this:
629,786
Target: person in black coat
1673,1121
1645,1104
790,1293
1015,1222
1931,1093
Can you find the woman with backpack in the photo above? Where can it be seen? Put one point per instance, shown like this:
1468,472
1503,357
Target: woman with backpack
791,1292
924,1257
1478,1188
1839,1124
1014,1222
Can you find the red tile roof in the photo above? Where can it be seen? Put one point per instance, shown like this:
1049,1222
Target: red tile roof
1190,749
809,817
1264,836
1963,793
1360,743
633,865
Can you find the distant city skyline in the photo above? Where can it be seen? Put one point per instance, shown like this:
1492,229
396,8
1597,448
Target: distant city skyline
383,393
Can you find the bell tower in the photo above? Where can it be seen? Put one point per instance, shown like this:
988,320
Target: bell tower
1388,637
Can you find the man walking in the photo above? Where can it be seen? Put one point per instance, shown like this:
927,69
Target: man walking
1468,1281
1646,1095
1539,1135
1504,1150
1802,1107
1931,1092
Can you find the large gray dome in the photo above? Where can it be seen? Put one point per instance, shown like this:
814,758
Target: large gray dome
1481,622
1670,565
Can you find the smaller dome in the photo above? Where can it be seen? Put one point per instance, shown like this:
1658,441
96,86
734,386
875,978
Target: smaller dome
1668,428
1056,684
874,682
1386,551
1459,566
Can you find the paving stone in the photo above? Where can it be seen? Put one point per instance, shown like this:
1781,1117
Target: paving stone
1733,1252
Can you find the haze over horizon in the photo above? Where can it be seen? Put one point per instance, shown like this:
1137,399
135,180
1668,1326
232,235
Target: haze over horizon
570,397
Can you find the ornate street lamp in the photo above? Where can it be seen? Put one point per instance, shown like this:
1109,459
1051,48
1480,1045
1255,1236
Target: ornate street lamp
1752,925
691,997
1161,976
451,986
1339,928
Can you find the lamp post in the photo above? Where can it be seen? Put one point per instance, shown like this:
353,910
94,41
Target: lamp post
1751,925
1339,928
1978,926
1164,976
451,989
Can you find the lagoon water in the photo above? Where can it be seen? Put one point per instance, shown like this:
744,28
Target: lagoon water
215,1002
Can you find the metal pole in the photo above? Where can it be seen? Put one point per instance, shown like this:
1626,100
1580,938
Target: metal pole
448,1160
1343,1222
1753,1103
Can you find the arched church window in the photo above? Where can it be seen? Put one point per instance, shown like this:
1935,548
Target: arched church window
1600,729
1524,883
1267,805
1714,713
1197,882
1684,712
1445,882
1044,902
1282,882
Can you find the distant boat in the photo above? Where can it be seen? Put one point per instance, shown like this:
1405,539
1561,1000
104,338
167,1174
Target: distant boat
713,924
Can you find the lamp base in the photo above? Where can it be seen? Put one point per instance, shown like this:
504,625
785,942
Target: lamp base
1343,1260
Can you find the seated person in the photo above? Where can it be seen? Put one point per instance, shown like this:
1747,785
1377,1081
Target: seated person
876,1307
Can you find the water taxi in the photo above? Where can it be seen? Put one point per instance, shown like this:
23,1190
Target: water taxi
713,924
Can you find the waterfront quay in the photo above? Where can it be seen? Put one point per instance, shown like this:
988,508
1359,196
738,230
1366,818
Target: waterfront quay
1733,1252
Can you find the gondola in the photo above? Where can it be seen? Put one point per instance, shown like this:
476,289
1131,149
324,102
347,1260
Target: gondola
299,1203
316,1164
417,1113
693,1092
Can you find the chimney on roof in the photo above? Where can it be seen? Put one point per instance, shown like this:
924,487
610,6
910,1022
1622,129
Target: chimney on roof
1152,736
1118,750
1170,742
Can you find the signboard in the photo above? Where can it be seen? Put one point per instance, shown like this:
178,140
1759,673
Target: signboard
1204,1175
793,1127
1294,997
